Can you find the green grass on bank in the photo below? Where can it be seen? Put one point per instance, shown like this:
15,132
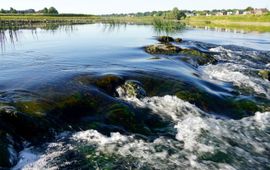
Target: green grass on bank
234,22
126,19
48,18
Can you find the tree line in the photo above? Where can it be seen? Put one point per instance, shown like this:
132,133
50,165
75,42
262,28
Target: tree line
175,13
45,10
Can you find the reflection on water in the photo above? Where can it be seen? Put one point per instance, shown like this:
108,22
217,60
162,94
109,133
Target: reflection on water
113,26
9,33
221,29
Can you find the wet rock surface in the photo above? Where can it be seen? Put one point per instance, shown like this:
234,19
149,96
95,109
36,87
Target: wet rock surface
167,49
192,56
265,74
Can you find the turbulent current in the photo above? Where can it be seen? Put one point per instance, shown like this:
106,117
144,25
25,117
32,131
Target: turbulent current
107,100
201,142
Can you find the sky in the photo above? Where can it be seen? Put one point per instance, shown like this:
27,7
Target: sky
129,6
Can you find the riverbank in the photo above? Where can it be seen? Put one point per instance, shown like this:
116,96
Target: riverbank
248,23
31,19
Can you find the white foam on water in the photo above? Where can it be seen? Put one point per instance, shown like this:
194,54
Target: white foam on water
236,74
30,159
243,144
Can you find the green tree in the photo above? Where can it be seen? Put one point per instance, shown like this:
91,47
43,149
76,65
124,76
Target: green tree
52,10
3,11
12,10
44,10
175,14
249,8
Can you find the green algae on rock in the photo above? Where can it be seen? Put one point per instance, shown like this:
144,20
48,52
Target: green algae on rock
201,58
166,49
178,40
192,56
165,39
265,74
132,88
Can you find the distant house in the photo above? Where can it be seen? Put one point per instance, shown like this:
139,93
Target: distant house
236,12
228,13
219,14
259,11
208,14
245,12
190,14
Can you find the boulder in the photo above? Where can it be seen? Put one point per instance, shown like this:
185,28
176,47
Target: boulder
199,58
178,40
131,88
192,56
109,83
165,39
166,49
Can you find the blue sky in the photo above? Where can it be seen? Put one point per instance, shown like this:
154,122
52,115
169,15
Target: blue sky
126,6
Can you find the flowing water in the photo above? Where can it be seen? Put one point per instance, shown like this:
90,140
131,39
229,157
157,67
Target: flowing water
65,102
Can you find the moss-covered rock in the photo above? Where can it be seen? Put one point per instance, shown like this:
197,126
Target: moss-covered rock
124,116
109,83
265,74
132,88
33,129
192,56
167,49
165,39
195,56
228,106
34,108
178,40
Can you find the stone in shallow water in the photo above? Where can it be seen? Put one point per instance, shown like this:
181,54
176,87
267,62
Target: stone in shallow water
162,49
132,88
192,56
165,39
109,83
198,57
265,74
178,40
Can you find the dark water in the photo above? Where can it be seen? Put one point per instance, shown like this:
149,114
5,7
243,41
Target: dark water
64,106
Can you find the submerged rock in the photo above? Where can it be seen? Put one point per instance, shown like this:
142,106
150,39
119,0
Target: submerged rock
8,155
265,74
109,83
178,40
166,49
24,125
195,56
132,88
